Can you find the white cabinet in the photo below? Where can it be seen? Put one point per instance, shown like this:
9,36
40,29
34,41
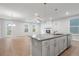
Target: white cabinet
36,48
56,46
36,51
69,40
60,44
64,42
52,47
45,48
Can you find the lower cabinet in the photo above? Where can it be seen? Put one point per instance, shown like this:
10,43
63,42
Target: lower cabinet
36,51
69,40
64,42
56,46
46,48
60,44
36,48
50,47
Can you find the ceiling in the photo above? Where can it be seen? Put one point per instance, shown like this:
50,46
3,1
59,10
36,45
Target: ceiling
46,11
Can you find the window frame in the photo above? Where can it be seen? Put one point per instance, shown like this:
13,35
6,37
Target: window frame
73,26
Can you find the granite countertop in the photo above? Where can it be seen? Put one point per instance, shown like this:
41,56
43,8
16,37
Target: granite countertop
47,36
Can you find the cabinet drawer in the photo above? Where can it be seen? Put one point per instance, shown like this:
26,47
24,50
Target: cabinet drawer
45,43
52,41
36,51
36,43
45,51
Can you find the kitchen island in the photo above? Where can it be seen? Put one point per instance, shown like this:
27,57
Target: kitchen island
49,44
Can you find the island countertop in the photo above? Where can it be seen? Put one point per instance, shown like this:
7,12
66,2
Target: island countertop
47,36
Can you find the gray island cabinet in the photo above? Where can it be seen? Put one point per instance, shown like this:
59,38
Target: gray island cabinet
50,45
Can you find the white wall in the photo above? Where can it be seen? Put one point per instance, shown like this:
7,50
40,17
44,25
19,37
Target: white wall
46,25
18,30
61,26
0,28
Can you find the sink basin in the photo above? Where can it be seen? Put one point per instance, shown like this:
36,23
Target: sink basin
58,34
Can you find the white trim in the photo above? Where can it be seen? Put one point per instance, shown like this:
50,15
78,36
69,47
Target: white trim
75,39
74,34
74,26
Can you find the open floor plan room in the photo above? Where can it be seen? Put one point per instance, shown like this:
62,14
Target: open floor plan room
39,29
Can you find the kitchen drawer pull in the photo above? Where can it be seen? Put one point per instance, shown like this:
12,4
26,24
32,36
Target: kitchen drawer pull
54,44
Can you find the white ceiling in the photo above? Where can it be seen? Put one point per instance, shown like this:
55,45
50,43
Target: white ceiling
26,11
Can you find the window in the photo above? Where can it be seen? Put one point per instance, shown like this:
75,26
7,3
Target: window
8,30
34,29
26,28
74,26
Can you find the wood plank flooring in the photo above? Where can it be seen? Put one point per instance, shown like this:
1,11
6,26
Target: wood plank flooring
18,46
73,50
21,46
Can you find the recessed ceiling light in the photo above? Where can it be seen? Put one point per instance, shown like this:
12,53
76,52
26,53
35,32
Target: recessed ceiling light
67,13
12,14
36,14
11,25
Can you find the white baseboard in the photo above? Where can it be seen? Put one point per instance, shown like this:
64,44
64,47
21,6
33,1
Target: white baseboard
75,39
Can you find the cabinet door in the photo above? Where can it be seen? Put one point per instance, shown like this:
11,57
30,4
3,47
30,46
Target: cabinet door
56,45
52,48
64,42
45,48
36,48
69,40
60,44
36,51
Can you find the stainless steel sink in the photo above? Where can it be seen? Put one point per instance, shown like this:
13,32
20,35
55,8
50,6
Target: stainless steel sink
58,34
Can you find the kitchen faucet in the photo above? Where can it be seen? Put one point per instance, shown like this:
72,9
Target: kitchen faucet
54,32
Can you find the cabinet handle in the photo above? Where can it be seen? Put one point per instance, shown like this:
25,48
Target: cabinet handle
64,40
54,44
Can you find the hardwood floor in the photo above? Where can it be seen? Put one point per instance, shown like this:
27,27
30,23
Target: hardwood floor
73,50
18,46
21,46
